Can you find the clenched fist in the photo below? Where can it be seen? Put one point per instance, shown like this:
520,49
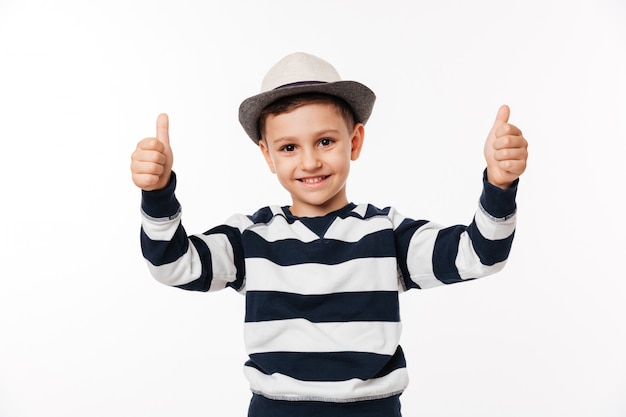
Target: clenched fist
151,162
506,151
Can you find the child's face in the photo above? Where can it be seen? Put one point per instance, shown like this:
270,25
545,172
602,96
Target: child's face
310,149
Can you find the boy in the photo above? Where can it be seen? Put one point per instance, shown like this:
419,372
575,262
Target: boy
322,276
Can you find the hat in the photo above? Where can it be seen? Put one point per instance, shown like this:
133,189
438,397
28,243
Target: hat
303,73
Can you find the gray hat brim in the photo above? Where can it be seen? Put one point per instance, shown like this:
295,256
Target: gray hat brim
360,98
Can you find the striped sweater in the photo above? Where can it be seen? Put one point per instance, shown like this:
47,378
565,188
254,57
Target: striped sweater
322,318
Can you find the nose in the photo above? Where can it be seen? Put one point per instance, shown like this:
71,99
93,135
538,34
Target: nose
310,160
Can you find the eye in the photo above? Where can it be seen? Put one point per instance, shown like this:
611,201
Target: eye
288,148
326,142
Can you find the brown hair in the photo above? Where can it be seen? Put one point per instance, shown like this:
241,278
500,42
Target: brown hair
290,103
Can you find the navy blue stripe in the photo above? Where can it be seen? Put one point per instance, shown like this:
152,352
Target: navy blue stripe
161,203
327,366
320,224
373,211
490,252
263,215
159,252
203,283
403,234
498,202
445,252
337,307
384,407
324,251
234,238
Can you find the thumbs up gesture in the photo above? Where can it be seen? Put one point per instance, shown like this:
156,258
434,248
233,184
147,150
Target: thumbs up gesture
506,151
151,162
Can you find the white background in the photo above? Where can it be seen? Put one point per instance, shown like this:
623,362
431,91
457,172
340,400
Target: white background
84,329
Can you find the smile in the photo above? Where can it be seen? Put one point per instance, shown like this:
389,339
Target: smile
313,180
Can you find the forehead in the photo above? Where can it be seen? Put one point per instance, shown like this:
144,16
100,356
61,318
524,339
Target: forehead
305,120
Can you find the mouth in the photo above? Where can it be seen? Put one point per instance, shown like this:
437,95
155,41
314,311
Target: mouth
313,180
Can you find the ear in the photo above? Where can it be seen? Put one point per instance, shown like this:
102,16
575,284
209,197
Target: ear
266,154
358,135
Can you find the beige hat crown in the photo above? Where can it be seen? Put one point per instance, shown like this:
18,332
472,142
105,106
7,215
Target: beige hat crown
296,68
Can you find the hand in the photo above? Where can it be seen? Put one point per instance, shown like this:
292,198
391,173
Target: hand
151,162
506,151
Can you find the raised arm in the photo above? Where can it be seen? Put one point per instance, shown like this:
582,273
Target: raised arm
432,255
205,262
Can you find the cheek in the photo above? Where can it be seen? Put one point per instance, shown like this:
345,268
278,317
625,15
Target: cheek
341,160
282,167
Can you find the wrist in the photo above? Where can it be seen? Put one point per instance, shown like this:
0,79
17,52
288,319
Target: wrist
498,180
161,203
497,201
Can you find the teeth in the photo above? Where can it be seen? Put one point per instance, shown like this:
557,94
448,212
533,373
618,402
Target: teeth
312,180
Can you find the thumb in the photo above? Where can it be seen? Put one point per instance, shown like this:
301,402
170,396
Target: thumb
162,126
503,116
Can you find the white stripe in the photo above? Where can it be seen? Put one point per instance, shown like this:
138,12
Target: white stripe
367,274
420,256
396,218
222,257
300,335
279,229
160,230
238,221
352,229
494,230
468,263
426,281
281,387
360,209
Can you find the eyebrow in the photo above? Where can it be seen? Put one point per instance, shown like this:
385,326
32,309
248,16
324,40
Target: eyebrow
293,138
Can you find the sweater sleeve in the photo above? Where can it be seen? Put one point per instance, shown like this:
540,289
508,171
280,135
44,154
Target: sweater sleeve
431,255
206,262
